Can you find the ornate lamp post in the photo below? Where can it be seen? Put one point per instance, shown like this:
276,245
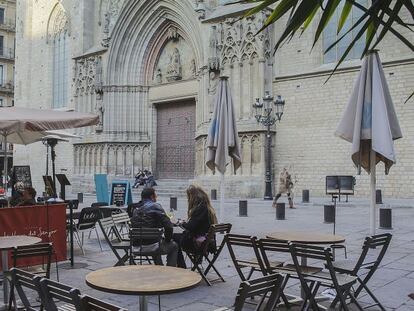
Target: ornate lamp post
264,116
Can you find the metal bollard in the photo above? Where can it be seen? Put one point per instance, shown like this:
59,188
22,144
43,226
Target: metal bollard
80,197
385,218
378,196
242,208
329,214
173,203
213,194
305,196
280,211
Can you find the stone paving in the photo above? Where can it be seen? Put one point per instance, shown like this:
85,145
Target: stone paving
392,283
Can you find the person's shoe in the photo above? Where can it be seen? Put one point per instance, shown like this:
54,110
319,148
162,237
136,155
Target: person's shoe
291,204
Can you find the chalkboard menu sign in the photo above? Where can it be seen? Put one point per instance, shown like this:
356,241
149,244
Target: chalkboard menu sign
121,193
22,174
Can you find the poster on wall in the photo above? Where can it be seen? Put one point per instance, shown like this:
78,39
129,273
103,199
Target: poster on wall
22,174
121,193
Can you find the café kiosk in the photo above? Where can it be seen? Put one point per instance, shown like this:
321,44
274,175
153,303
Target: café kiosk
46,221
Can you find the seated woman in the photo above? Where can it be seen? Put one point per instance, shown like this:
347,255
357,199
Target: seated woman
200,216
28,197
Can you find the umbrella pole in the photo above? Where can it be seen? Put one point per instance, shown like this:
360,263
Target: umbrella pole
373,209
221,197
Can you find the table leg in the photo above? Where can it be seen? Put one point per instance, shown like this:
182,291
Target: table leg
143,303
5,265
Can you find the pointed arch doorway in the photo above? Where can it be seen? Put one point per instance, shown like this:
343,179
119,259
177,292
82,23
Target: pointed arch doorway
175,146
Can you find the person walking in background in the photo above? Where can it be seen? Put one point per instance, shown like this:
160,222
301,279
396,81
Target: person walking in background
285,186
200,216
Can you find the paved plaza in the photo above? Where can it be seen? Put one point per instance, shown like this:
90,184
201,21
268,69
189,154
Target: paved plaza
392,283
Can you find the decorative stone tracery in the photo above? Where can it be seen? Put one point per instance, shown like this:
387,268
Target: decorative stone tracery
58,22
123,159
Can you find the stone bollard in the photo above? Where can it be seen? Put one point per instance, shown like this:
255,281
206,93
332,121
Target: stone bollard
242,208
213,194
378,196
305,196
385,218
80,197
329,214
280,211
173,203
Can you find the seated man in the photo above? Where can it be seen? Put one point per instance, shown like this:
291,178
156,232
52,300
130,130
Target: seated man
149,214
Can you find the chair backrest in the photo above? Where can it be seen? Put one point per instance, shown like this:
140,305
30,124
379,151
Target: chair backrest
41,251
98,204
324,254
121,218
140,235
236,241
74,204
260,287
271,245
54,291
379,242
22,279
89,303
107,225
88,217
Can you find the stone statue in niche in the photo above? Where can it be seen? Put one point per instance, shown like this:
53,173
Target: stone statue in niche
158,76
213,82
174,67
99,109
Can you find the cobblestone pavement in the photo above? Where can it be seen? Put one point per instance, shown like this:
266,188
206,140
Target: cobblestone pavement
392,283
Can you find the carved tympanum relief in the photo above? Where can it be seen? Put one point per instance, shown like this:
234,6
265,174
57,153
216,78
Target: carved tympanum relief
176,60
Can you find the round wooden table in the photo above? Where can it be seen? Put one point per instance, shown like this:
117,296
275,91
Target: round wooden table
143,281
306,237
7,243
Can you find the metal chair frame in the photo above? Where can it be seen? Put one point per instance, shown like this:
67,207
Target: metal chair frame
87,221
39,250
122,219
22,279
107,225
141,234
54,291
312,282
381,241
197,257
246,241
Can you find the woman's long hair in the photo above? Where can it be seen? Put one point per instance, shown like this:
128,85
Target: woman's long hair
198,197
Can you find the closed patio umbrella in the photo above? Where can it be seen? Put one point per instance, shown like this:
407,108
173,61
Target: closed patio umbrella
223,140
370,123
16,123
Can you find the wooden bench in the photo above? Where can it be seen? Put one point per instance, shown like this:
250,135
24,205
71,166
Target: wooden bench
340,185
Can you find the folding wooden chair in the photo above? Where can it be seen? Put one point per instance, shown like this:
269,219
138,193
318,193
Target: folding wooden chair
311,282
89,303
59,297
208,248
236,241
122,222
267,246
117,244
269,284
21,281
39,251
137,237
367,264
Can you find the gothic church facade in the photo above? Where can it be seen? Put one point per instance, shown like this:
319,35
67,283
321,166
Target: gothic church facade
150,70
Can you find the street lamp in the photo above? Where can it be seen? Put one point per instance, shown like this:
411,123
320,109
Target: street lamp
263,114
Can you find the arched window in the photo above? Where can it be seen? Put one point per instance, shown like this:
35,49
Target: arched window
59,39
60,70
